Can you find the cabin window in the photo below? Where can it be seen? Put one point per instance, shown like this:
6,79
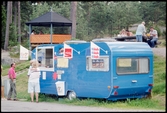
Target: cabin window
132,65
45,56
101,64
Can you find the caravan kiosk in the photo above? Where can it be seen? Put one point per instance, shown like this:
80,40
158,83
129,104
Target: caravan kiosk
102,70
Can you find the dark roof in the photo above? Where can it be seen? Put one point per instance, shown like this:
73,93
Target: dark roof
48,18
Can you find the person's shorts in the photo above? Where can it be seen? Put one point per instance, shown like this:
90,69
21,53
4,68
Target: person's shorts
33,87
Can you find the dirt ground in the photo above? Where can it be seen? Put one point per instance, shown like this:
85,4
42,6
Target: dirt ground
14,106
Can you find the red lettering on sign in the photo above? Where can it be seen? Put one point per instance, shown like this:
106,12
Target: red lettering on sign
95,56
94,52
95,48
68,52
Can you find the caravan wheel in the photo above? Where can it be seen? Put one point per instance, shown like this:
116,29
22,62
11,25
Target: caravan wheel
71,95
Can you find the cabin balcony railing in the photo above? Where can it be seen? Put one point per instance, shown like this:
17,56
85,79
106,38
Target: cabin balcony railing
46,38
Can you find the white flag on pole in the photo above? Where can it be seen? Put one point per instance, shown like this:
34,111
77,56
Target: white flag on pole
94,51
24,53
68,51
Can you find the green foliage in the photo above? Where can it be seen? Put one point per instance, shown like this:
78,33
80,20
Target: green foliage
161,23
164,43
23,66
22,84
152,11
19,66
26,11
160,88
26,43
163,33
39,10
3,24
15,51
144,103
12,36
159,75
94,19
158,30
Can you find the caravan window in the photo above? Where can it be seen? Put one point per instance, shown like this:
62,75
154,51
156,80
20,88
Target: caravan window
132,65
101,64
45,56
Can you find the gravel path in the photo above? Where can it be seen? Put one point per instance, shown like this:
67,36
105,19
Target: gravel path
22,106
160,51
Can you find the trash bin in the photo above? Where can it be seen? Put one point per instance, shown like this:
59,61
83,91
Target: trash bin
6,87
60,86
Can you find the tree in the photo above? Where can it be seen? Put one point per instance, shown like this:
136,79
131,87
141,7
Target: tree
105,18
3,23
73,17
11,14
19,25
15,14
8,22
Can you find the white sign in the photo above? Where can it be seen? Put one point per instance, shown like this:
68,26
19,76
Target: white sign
24,53
94,51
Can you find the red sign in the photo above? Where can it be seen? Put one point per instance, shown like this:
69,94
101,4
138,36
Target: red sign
55,76
68,52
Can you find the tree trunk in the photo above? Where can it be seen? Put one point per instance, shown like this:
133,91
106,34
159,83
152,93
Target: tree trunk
11,13
8,20
71,10
73,18
19,26
15,18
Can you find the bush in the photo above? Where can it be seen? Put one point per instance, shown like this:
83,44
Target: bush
158,31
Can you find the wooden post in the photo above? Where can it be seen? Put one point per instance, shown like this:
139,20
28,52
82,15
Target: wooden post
2,92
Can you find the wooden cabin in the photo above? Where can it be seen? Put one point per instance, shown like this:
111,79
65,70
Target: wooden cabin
38,39
50,19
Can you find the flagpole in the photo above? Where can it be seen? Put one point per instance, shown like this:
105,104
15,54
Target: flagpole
104,50
77,51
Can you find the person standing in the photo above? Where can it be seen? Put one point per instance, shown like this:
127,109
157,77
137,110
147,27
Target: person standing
12,81
33,32
153,33
140,32
29,70
33,81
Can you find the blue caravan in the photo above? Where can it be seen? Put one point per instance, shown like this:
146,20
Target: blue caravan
102,70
